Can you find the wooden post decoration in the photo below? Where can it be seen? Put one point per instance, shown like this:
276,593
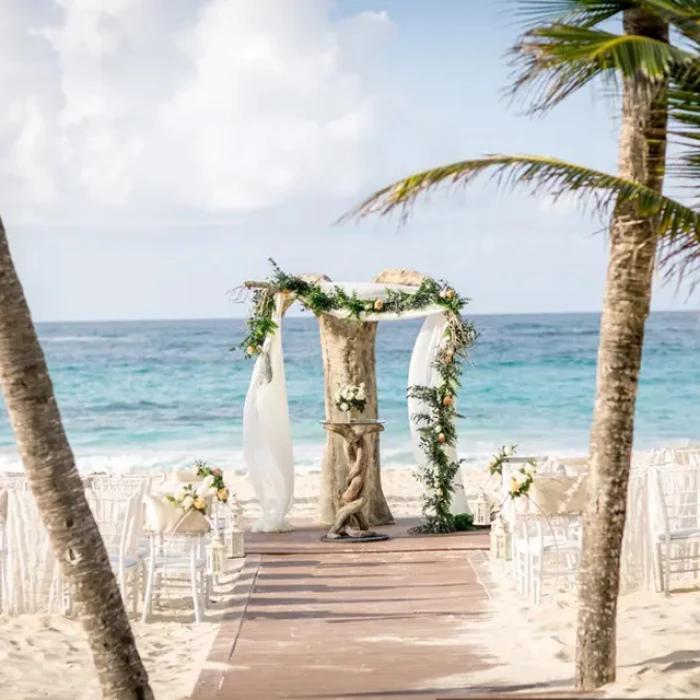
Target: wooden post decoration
350,522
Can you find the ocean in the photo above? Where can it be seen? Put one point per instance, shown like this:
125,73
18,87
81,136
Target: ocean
145,395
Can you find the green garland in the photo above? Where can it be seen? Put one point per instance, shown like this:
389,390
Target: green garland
437,422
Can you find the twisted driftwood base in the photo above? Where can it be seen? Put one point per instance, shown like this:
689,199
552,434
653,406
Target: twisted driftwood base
350,523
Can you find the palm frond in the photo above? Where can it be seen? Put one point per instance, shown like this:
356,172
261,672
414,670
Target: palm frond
684,15
578,13
678,226
684,126
556,61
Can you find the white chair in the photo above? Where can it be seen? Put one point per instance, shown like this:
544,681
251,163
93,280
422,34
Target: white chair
675,520
31,577
121,483
178,550
546,547
18,483
119,518
3,545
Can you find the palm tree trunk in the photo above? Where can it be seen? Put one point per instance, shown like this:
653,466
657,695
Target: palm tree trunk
50,469
625,310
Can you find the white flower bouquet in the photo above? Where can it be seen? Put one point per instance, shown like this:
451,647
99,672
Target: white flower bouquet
521,480
217,486
351,398
194,496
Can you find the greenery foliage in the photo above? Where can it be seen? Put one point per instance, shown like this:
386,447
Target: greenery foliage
496,464
437,423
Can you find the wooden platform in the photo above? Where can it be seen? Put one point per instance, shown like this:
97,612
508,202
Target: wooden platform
324,621
306,539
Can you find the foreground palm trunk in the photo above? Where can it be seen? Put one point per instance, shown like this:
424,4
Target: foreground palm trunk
50,469
625,309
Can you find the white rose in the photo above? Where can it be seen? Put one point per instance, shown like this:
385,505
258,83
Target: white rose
509,451
344,407
361,394
188,502
520,478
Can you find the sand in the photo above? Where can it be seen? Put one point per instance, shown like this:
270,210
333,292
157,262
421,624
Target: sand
48,657
534,645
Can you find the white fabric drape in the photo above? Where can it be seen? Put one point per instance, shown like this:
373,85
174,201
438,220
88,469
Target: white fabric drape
267,440
267,435
421,372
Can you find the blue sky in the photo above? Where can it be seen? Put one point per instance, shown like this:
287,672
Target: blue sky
155,153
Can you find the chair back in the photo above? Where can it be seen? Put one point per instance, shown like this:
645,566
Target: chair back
31,578
118,516
166,518
675,500
14,481
131,484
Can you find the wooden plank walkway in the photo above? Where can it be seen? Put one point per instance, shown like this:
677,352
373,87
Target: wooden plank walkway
322,621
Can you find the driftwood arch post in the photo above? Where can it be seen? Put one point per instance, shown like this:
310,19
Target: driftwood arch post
348,351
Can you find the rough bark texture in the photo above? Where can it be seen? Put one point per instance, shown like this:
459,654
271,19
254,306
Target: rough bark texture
625,309
347,348
50,469
349,519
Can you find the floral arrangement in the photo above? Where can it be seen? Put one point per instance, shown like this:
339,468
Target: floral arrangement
496,464
190,498
351,397
521,479
214,477
437,422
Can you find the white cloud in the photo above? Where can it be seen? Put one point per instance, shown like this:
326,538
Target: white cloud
219,106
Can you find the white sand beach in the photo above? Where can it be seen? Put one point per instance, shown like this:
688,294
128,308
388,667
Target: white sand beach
535,645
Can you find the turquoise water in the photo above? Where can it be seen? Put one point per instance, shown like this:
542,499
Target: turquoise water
144,395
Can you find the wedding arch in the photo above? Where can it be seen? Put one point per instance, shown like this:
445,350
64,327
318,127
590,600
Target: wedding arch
433,380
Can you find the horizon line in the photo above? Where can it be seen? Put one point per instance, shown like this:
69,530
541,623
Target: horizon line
308,316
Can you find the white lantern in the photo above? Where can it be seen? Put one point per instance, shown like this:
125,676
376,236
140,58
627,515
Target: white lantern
482,509
216,556
500,539
236,549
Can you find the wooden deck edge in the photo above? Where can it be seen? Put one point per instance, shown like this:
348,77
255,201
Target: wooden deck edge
212,674
531,695
355,549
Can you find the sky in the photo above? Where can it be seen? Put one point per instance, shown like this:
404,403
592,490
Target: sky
155,153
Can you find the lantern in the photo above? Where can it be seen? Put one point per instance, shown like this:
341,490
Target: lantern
500,539
481,509
236,548
216,556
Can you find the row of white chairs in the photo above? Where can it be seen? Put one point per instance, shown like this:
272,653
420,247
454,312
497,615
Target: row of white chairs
146,560
662,535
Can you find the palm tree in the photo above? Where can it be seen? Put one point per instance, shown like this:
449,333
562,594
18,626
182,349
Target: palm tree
565,49
56,486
